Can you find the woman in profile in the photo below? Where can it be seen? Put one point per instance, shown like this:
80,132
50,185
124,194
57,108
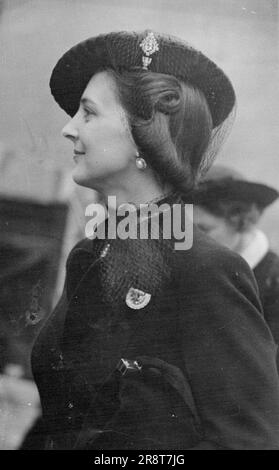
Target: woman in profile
151,347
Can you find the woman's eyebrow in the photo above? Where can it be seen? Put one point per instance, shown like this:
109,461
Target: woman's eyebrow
85,101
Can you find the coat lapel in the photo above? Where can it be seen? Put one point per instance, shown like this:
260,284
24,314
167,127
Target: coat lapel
96,332
112,286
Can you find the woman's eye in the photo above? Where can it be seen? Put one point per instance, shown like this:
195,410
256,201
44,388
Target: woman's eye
88,113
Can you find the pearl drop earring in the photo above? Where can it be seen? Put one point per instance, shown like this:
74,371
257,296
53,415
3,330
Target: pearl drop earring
140,162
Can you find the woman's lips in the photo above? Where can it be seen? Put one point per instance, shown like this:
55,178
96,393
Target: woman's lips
77,154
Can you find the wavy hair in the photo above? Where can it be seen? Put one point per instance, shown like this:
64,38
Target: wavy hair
170,123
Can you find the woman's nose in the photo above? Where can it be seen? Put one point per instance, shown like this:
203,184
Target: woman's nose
70,131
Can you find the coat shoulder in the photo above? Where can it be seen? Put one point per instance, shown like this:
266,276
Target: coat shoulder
267,272
207,258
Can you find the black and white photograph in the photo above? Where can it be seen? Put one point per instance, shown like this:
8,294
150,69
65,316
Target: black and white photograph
139,227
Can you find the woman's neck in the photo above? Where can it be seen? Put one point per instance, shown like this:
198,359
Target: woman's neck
136,193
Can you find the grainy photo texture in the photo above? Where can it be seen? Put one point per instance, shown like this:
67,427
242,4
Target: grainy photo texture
139,227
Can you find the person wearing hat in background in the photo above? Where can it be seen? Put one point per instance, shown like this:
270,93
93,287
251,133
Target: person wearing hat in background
145,349
228,208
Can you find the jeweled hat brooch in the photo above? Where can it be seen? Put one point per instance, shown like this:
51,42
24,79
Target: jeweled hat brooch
149,46
147,50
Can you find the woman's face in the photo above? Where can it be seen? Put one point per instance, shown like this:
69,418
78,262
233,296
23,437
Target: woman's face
217,228
104,150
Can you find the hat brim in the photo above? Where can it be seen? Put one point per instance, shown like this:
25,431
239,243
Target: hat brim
245,191
122,51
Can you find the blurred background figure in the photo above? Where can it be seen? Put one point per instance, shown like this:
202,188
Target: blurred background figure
228,208
38,227
31,239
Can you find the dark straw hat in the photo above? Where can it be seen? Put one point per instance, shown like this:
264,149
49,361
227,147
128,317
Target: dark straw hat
222,183
145,50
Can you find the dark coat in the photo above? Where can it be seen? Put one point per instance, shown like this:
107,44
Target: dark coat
208,377
267,276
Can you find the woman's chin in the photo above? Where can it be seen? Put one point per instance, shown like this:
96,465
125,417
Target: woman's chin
82,180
